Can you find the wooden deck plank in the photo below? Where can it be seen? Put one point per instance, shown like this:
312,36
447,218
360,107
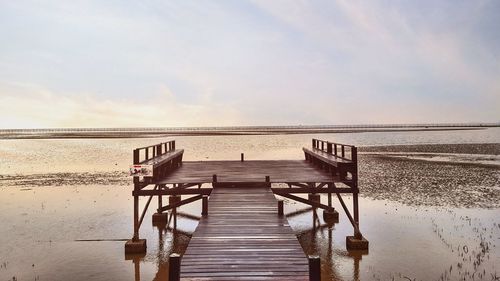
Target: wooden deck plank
243,238
279,171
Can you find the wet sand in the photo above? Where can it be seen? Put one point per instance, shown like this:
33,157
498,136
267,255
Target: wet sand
44,228
424,221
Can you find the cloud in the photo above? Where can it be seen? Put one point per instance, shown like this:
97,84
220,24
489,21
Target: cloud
31,106
248,63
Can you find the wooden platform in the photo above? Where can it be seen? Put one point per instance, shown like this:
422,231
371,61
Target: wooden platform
243,238
279,171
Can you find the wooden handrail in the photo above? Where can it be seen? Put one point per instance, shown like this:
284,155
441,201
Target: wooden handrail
152,151
336,149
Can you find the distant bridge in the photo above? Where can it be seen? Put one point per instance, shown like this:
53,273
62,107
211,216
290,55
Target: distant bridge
230,130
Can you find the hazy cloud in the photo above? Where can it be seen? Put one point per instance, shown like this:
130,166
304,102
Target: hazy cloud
190,63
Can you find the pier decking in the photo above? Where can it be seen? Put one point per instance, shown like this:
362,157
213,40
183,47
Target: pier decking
247,241
243,234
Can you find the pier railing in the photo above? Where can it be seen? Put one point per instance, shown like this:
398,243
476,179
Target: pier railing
149,152
343,151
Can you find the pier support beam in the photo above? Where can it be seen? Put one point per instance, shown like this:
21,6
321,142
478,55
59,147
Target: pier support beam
136,245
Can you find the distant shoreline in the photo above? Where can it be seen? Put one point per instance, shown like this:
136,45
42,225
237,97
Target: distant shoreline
221,131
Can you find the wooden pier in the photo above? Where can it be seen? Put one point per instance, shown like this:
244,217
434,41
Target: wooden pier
243,234
248,240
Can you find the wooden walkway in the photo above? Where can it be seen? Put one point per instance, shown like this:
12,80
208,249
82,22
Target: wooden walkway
244,238
247,172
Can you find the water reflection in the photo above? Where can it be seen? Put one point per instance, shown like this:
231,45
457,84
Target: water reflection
315,236
171,239
317,239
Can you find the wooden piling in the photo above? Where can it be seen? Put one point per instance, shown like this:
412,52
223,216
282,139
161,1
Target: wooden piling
314,268
174,267
280,208
204,205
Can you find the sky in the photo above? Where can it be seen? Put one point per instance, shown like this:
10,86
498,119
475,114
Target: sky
217,63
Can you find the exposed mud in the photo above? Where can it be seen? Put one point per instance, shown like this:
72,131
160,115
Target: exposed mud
419,183
66,179
482,148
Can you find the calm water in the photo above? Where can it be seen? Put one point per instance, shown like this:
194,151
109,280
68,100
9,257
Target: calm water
40,224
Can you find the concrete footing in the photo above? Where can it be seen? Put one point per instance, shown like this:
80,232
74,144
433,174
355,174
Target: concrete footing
172,199
353,243
330,216
314,197
135,247
160,218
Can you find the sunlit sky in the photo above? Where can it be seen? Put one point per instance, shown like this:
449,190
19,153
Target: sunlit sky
216,63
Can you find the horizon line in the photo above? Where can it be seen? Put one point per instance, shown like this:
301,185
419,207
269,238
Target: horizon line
243,127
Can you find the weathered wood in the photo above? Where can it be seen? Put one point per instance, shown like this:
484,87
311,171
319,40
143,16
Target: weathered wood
280,208
242,238
255,171
174,266
180,203
305,201
204,205
327,157
314,268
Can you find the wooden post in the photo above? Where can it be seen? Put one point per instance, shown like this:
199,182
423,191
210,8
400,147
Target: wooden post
313,143
280,208
173,145
214,178
174,267
268,181
136,156
329,148
136,216
335,149
174,211
160,200
343,150
354,154
204,205
357,233
242,157
137,269
314,268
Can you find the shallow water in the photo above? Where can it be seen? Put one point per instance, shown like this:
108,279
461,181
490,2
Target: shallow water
54,192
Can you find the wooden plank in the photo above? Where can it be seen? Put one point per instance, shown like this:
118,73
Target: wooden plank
243,238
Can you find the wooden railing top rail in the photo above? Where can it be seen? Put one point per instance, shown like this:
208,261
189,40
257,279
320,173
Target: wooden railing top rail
337,143
337,149
142,154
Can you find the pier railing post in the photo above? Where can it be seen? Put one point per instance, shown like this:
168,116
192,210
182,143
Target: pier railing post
314,268
280,208
174,267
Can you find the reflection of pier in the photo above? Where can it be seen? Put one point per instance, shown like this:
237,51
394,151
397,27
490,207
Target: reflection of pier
329,168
